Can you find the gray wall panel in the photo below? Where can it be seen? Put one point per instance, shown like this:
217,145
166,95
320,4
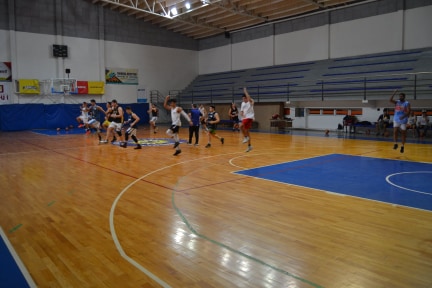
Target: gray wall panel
79,18
36,16
121,28
307,22
252,34
212,42
4,15
336,16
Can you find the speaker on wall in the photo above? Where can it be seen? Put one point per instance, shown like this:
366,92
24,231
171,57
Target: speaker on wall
227,35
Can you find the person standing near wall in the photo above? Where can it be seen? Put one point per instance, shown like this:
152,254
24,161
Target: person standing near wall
173,131
195,116
248,115
400,119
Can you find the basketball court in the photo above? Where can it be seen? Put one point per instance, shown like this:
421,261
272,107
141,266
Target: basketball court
299,210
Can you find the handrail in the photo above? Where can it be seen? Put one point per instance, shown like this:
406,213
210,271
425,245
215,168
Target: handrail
416,84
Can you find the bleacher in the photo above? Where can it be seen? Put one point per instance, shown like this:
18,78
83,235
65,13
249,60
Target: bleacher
367,76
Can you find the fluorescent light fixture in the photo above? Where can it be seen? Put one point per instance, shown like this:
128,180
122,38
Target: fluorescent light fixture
187,5
174,11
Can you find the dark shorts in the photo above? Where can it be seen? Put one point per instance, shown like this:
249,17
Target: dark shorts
175,128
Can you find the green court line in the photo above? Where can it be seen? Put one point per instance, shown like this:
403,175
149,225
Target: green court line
234,250
51,203
15,228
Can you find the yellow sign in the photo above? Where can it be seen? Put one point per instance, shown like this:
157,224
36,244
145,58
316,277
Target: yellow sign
96,87
28,86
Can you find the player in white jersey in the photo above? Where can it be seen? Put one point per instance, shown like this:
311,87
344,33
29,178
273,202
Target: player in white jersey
171,105
83,118
247,115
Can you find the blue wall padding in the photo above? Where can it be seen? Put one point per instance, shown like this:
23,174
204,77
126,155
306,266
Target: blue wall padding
17,117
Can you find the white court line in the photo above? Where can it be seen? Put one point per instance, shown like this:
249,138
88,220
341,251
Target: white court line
401,187
18,261
113,231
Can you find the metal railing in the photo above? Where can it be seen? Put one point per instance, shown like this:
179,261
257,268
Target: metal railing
373,87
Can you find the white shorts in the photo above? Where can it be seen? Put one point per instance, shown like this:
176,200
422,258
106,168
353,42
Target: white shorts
153,119
94,123
115,125
83,119
399,125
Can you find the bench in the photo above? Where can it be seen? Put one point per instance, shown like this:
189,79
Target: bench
281,125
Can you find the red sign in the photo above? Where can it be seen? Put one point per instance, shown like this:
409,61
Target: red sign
82,87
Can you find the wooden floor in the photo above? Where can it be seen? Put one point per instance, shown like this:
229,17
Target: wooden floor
80,214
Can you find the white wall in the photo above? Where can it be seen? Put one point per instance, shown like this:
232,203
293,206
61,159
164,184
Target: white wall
34,58
418,23
5,55
369,35
215,60
254,53
159,68
302,46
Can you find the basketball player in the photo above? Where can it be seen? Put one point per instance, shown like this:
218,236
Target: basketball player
83,118
203,117
117,115
248,115
95,117
233,113
400,119
176,123
154,111
212,120
132,125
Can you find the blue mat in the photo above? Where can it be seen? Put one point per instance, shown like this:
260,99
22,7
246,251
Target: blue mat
397,182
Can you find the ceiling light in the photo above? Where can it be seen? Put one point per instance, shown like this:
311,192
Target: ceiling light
187,5
174,11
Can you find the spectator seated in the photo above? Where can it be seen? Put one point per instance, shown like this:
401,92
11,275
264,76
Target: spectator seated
349,123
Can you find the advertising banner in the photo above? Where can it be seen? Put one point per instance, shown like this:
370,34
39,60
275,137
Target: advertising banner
121,76
82,87
96,87
6,71
28,86
5,95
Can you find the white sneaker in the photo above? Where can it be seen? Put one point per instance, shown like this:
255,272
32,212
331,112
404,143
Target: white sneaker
245,140
249,149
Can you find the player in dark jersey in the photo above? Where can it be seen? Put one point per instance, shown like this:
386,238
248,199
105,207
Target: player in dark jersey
234,116
154,111
212,120
131,126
